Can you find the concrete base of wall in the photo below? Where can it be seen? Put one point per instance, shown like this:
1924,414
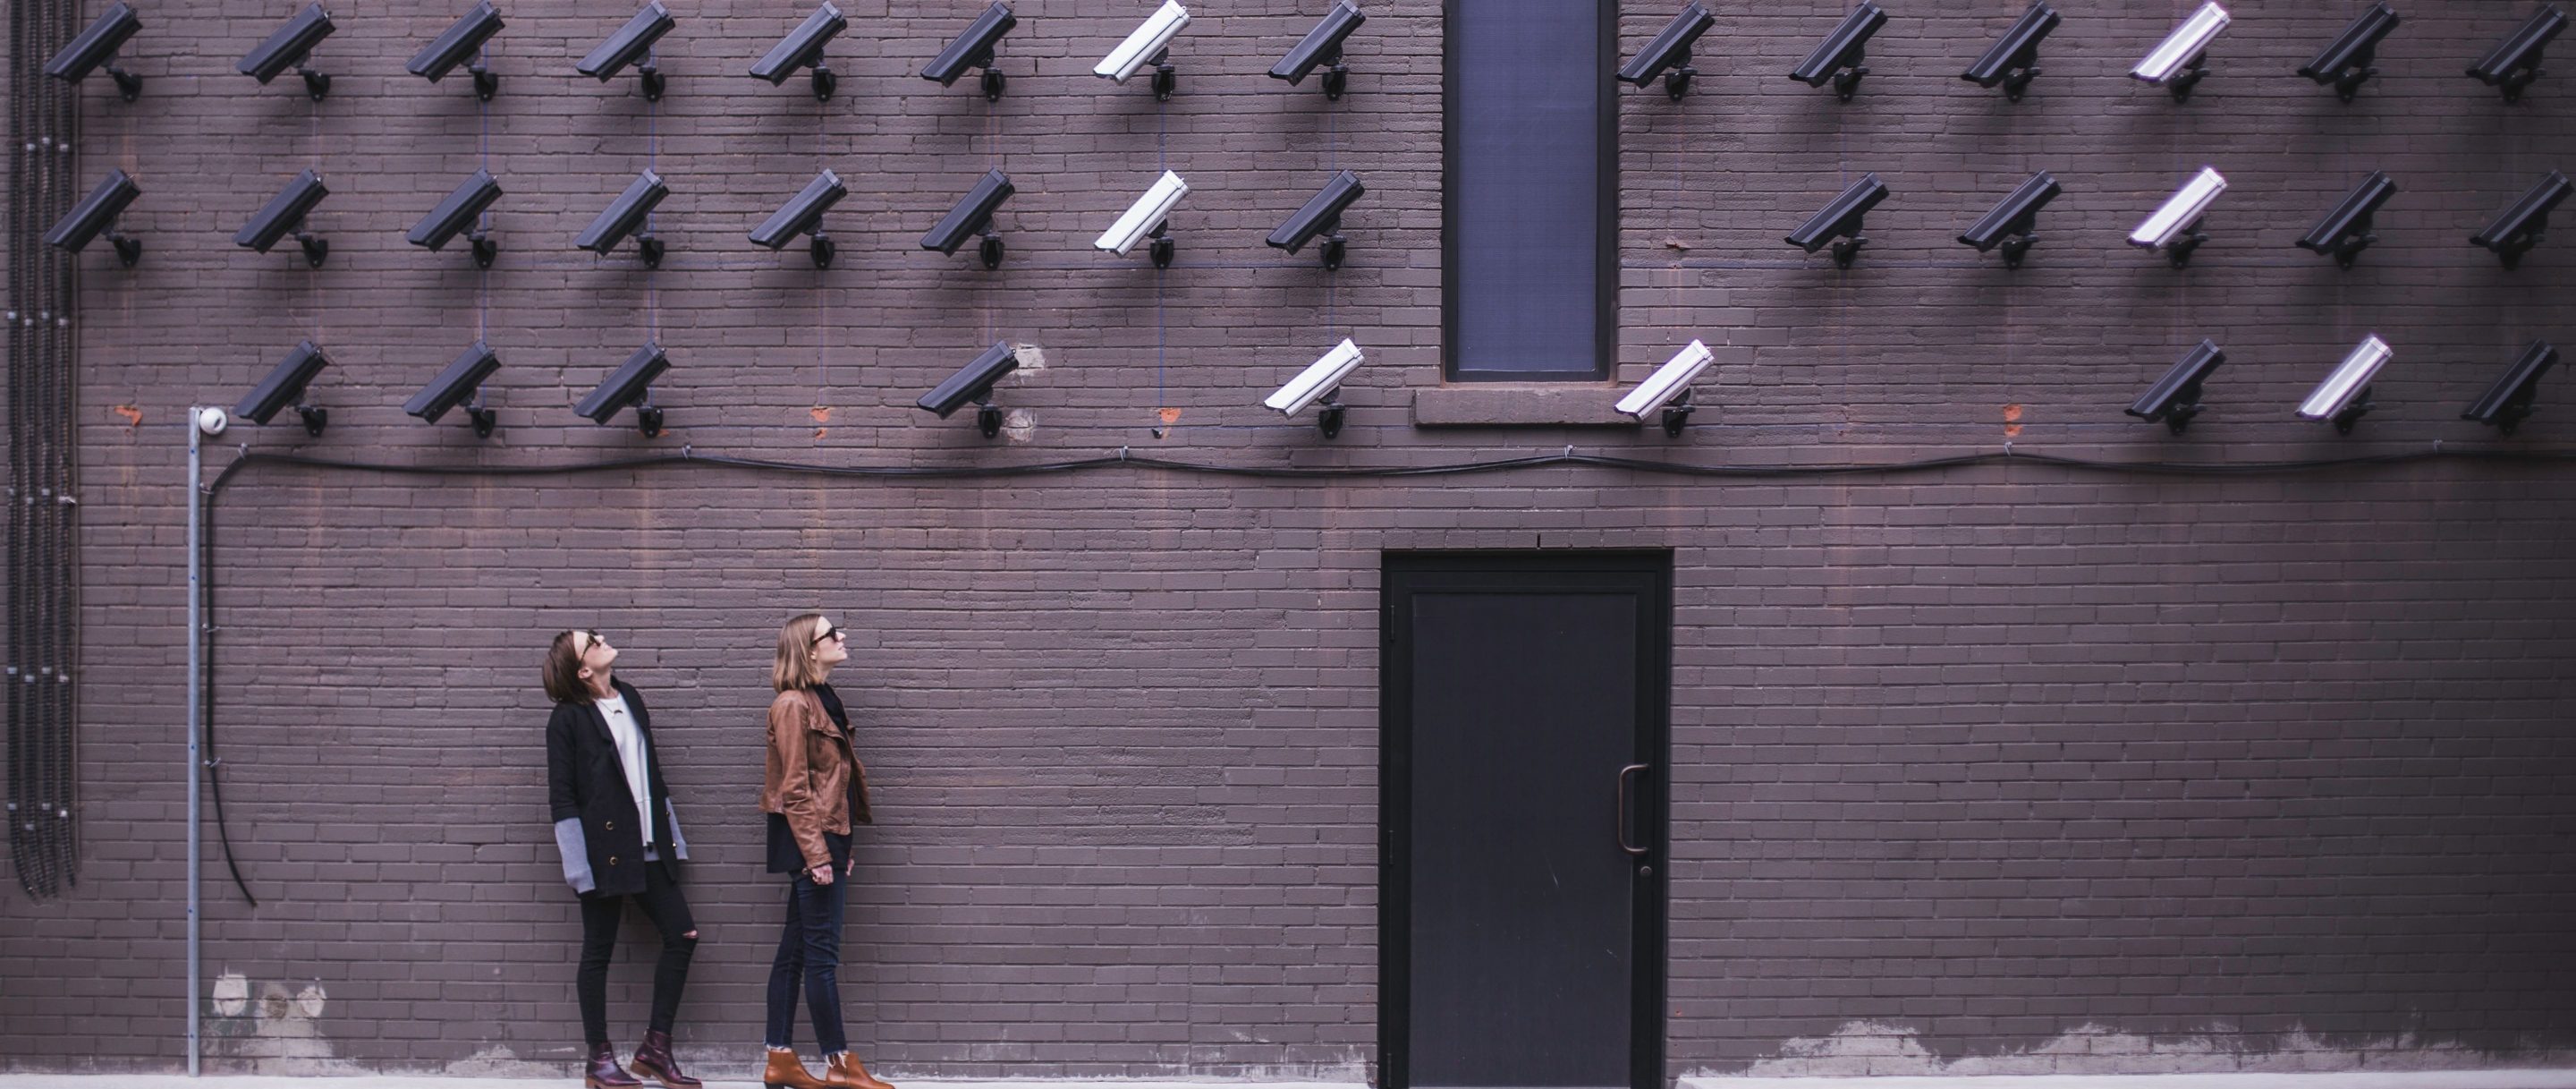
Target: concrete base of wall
2415,1079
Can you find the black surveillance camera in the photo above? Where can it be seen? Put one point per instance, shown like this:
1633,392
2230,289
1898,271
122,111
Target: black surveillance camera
457,214
1322,215
462,379
1838,59
462,43
2011,224
284,214
1322,46
2347,61
803,48
2175,398
623,216
96,47
1669,54
2345,231
803,214
2508,402
95,215
974,385
629,45
630,384
2515,62
2013,61
1841,220
285,386
288,48
974,49
971,217
2520,227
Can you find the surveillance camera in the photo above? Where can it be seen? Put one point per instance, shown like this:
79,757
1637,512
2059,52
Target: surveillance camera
2347,61
1146,217
212,420
95,215
974,49
457,214
1147,45
1322,46
2013,61
284,214
974,385
460,44
2174,227
803,214
630,44
2520,227
803,48
2177,63
2345,394
630,384
973,215
288,48
2345,231
285,386
2011,223
1320,381
2515,62
2508,402
2175,398
96,47
624,215
1668,388
1322,214
1839,58
462,379
1840,219
1669,54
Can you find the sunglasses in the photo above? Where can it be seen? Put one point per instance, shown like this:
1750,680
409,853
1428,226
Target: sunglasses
833,633
596,640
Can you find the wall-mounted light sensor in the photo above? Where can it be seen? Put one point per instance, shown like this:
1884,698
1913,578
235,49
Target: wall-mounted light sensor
1321,215
461,380
1838,58
2013,61
624,216
1323,46
96,215
973,385
972,217
2178,62
284,386
462,43
2349,60
2011,225
1150,43
803,48
2174,227
1668,389
1321,381
803,214
288,48
974,49
2345,230
1149,217
2175,398
1669,53
459,213
2508,402
2345,394
284,213
2515,62
632,43
2520,226
1841,220
630,384
95,47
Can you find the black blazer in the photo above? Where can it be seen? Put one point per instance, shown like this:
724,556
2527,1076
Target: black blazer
594,812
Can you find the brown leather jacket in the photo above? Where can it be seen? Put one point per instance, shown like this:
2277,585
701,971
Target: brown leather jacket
810,765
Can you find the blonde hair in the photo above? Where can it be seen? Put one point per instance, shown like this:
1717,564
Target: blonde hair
797,665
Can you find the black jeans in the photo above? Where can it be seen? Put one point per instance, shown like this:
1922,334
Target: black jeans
809,950
669,913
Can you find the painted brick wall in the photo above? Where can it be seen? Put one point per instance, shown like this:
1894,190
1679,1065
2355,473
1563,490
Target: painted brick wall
2008,766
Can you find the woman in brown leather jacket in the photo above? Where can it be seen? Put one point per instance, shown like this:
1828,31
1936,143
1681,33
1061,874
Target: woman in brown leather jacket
815,790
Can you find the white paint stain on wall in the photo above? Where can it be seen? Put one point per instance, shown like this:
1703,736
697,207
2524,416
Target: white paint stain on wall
1879,1049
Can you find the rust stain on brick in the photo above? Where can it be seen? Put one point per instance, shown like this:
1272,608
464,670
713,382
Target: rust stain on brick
133,416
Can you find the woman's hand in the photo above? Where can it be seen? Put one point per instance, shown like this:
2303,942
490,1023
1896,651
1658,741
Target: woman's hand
821,875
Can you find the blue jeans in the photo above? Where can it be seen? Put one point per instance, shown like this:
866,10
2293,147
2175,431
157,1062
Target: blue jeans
809,949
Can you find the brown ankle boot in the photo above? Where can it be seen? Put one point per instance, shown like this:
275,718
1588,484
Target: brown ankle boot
604,1073
653,1060
786,1071
843,1070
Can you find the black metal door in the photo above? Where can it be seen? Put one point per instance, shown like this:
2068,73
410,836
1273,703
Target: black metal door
1524,712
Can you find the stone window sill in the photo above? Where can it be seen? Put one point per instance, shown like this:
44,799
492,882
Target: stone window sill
1506,404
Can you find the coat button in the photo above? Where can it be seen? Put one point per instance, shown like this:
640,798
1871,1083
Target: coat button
612,826
612,860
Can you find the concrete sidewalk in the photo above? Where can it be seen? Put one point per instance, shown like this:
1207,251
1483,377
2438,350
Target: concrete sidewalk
2435,1079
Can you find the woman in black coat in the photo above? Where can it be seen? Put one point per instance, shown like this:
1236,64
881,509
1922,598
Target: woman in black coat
620,838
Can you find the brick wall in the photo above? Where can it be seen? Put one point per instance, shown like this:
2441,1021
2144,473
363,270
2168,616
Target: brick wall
1994,764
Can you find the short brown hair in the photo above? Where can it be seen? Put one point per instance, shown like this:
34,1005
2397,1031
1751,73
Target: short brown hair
796,667
563,671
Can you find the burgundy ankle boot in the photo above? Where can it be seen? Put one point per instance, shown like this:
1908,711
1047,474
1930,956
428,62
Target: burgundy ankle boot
604,1073
653,1060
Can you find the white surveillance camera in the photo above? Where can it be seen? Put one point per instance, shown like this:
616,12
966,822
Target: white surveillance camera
1669,386
1318,379
1141,46
1145,216
2345,394
2174,220
2182,50
212,421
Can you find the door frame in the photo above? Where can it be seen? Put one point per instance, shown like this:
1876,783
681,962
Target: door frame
1521,571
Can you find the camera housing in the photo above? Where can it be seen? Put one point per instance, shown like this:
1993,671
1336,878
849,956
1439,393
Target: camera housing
458,213
2010,225
95,47
1150,43
2175,398
95,215
1838,58
1668,388
285,385
1320,381
288,48
2507,403
1841,219
462,43
632,43
2179,62
1669,53
2344,396
1323,46
803,214
630,384
2013,61
2345,230
972,216
2349,60
461,380
284,214
2174,227
624,216
1148,217
1321,215
974,49
803,47
2515,62
2522,224
973,384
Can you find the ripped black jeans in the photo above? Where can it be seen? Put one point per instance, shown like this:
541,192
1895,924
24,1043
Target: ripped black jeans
668,911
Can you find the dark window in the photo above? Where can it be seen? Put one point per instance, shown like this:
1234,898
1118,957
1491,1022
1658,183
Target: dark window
1530,208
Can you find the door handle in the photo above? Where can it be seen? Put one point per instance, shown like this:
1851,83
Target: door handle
1624,773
